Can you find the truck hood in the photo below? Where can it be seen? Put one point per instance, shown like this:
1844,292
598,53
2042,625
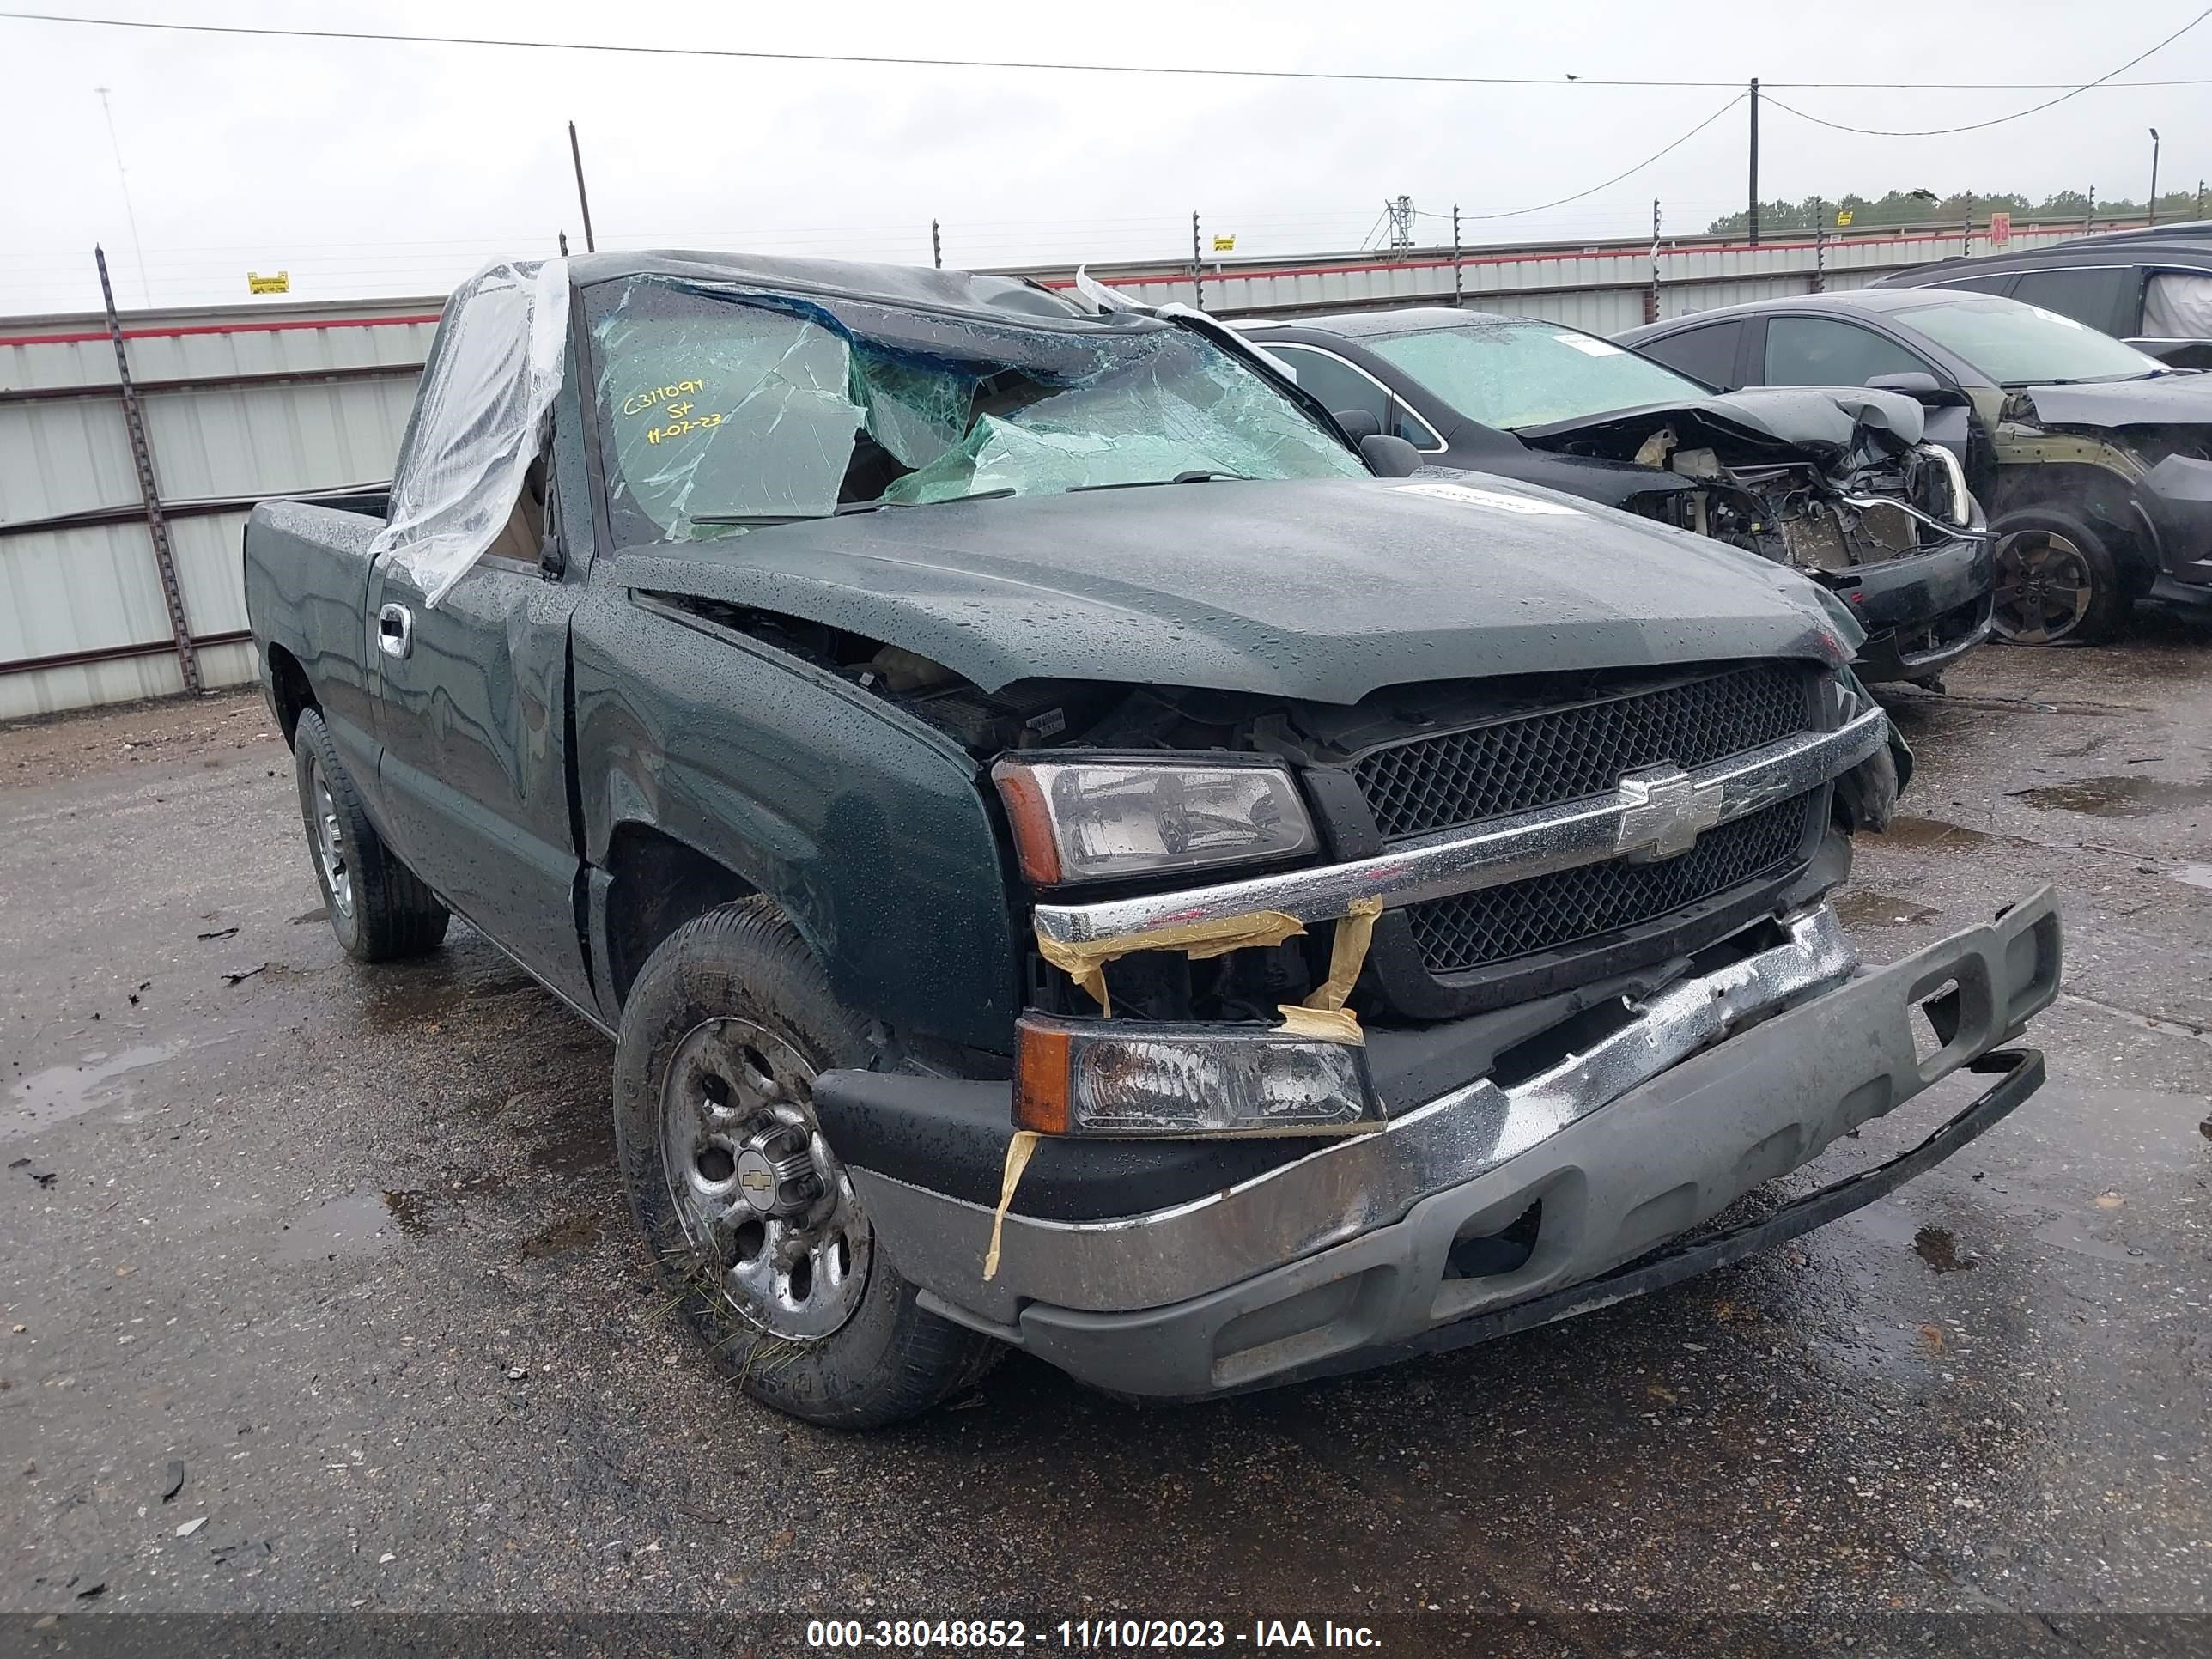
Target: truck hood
1824,423
1324,589
2161,400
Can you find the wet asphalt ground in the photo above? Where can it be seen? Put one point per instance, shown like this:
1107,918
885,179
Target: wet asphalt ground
341,1256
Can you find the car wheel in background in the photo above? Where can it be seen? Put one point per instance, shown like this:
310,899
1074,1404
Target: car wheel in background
751,1220
2058,579
378,909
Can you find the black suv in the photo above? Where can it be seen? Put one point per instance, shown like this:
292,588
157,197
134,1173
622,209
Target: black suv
2150,288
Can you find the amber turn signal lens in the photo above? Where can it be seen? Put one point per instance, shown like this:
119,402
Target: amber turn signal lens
1040,1079
1034,844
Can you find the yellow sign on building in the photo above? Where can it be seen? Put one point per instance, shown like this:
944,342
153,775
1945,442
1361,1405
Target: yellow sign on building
1224,245
280,283
1843,218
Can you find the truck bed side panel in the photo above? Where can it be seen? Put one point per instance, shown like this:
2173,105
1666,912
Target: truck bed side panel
872,837
307,593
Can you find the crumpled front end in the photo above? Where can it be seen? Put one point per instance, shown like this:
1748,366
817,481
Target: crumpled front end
1502,915
1840,485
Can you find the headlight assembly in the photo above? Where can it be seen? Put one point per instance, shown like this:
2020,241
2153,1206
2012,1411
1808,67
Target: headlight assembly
1076,820
1116,1078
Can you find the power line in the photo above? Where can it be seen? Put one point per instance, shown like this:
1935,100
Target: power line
1516,213
1995,121
632,48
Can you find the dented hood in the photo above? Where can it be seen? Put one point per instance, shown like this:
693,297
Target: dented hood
2170,399
1822,422
1324,589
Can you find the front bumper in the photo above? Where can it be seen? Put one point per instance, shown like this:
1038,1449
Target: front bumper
1342,1257
2176,498
1921,612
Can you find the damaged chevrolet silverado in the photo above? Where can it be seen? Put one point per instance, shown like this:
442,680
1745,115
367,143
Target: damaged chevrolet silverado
1841,484
1075,855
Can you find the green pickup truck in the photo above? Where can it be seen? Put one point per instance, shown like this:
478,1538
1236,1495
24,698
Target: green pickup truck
1074,853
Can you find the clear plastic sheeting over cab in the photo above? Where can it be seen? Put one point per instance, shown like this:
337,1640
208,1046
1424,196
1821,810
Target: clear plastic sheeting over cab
479,421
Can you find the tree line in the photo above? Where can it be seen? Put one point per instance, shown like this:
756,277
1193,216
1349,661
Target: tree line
1910,206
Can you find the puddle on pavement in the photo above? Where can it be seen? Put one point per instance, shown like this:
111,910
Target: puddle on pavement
420,1212
2116,797
2065,1233
355,1224
60,1092
2195,875
1936,1247
1862,906
1930,832
573,1232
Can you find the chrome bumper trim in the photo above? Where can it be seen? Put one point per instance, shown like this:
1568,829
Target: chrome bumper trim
1646,817
1348,1188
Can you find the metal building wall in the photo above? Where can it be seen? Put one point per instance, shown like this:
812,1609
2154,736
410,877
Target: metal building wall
246,401
237,405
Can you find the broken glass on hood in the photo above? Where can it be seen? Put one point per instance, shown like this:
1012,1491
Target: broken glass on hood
724,408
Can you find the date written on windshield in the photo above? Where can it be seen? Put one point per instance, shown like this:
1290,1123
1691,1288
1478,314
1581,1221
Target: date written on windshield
1087,1635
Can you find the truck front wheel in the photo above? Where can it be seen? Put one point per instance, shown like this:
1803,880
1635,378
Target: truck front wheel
378,909
753,1222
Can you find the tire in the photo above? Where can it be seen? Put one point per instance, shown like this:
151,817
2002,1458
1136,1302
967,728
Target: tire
2058,577
727,1023
378,909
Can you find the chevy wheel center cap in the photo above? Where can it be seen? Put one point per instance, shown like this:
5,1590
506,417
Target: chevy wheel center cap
756,1179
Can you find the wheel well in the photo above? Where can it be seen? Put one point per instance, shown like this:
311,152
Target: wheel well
655,883
2104,498
294,693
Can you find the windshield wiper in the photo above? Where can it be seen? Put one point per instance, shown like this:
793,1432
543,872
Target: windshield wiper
752,519
846,508
1198,475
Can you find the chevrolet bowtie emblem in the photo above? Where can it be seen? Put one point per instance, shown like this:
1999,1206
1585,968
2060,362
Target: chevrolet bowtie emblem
755,1181
1664,811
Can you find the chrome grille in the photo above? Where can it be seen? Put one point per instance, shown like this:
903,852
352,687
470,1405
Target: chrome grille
1427,784
1473,930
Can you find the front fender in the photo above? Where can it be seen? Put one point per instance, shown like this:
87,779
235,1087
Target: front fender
868,830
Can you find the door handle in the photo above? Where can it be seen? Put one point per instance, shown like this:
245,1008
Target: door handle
395,630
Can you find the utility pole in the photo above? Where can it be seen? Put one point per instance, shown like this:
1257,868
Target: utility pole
1651,294
562,236
1820,246
1967,235
576,154
1197,264
149,495
2089,218
936,245
1459,274
1755,160
2151,217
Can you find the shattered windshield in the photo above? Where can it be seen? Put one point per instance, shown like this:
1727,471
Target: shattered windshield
724,409
1514,374
2017,344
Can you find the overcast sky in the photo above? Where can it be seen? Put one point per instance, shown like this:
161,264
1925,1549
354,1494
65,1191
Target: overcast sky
381,169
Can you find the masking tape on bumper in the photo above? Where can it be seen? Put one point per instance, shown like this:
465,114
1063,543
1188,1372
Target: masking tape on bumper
1085,963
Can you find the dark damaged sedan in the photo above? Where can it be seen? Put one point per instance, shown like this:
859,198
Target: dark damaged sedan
2095,460
1840,484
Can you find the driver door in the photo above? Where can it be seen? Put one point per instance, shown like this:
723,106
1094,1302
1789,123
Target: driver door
472,700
